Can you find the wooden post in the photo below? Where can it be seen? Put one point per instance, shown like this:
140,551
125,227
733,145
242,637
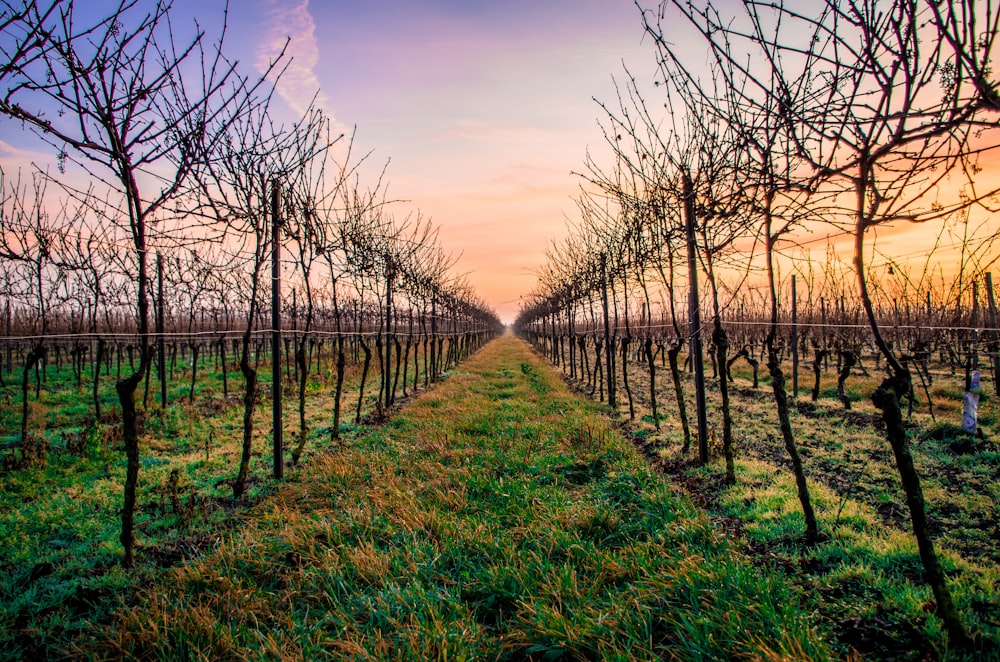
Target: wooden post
276,422
295,339
543,337
795,340
388,337
974,349
694,320
822,317
995,335
571,317
9,348
431,371
161,341
608,350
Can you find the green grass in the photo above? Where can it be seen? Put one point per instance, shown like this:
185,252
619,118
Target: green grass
863,570
60,519
498,516
883,608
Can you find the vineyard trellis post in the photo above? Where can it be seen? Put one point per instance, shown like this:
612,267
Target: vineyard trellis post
389,335
994,349
276,329
9,349
972,362
431,371
795,339
608,349
694,318
161,341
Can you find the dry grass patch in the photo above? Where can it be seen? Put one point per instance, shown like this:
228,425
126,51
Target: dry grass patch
497,517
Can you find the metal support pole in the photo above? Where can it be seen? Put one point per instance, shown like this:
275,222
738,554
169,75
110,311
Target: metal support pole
161,341
608,349
795,341
694,321
277,425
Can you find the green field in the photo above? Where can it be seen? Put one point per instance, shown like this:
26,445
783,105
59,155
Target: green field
498,515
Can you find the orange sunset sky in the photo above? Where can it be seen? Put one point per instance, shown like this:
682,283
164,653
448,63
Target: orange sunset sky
483,109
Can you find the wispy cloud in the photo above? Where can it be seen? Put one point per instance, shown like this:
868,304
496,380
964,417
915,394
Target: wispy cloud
10,151
14,158
291,22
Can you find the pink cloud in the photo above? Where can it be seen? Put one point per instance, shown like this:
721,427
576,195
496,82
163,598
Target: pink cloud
291,22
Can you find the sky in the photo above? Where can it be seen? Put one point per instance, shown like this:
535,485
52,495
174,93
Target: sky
484,110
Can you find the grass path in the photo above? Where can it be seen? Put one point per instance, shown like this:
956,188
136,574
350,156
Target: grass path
497,516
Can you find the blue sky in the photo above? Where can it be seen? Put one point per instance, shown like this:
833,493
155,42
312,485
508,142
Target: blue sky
483,109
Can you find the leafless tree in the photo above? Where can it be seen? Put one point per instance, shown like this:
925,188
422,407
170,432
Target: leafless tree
348,213
890,125
29,240
686,160
251,157
759,177
88,253
190,281
130,102
313,202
